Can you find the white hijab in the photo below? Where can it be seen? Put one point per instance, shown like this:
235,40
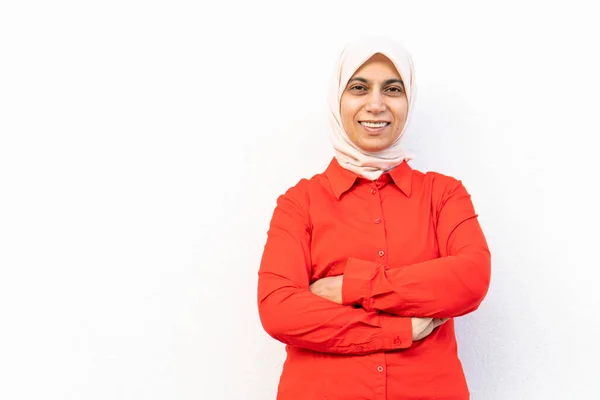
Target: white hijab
354,55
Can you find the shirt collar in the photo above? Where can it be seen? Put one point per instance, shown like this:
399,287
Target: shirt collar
402,177
342,179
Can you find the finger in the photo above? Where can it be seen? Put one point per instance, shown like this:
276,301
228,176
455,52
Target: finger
426,331
419,324
439,321
423,321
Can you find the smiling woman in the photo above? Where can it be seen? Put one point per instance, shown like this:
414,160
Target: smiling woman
367,264
372,85
374,105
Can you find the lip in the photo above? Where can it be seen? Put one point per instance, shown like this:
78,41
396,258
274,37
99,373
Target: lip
374,131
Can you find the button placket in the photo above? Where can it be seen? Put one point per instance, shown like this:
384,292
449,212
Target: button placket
378,220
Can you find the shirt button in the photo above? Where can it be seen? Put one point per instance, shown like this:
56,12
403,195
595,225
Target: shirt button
397,342
359,348
373,191
381,253
377,221
380,368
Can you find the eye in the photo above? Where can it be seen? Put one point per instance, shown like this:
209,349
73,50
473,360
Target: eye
358,88
395,89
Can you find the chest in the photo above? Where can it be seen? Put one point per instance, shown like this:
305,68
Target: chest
373,224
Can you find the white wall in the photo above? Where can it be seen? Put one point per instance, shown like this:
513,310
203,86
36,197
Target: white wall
143,145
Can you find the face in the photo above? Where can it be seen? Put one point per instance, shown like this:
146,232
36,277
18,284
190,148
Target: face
374,106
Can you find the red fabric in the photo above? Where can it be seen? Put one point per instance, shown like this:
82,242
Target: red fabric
409,245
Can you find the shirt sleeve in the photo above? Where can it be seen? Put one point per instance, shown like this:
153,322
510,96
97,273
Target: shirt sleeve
292,314
450,286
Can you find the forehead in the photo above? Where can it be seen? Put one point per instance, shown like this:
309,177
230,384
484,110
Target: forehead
377,65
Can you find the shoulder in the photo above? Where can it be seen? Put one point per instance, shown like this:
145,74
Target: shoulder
300,193
440,185
294,204
440,180
448,194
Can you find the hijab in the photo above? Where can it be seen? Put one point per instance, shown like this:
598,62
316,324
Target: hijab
354,55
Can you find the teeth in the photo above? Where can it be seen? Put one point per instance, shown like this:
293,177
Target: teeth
374,124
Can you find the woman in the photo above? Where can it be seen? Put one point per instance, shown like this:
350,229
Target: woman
367,263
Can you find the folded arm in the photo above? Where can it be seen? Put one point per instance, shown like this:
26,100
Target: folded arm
452,285
290,313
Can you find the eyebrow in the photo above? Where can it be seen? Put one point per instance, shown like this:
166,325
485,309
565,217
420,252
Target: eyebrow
386,82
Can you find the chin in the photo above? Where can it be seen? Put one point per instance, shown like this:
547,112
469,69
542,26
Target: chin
368,145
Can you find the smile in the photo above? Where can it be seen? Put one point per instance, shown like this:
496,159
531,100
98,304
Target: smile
374,125
374,128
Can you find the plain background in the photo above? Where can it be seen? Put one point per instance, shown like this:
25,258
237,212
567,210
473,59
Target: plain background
143,145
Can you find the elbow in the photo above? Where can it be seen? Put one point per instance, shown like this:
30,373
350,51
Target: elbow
269,321
464,302
272,318
275,303
472,301
477,284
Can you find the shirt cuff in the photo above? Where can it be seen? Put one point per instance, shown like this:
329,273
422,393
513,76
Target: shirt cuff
356,286
397,330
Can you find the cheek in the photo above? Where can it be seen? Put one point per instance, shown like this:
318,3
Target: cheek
347,112
401,112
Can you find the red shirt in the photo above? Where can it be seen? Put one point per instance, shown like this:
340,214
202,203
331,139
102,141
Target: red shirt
409,245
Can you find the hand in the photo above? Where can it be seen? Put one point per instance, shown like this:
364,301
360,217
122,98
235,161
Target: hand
329,288
422,327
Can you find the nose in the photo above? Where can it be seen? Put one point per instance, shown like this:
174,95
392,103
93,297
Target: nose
375,103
